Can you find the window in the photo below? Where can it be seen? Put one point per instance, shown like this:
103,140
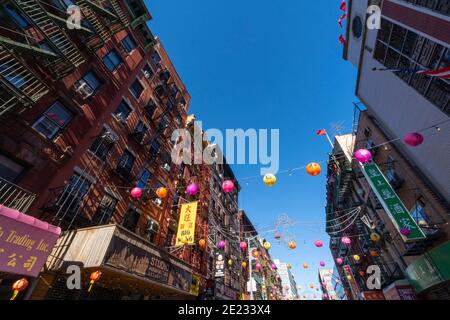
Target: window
164,123
421,217
152,229
150,109
148,72
136,89
400,48
156,57
105,210
140,131
54,120
131,219
71,198
10,170
154,149
17,16
123,111
143,179
112,60
91,80
178,120
103,144
129,44
174,90
357,27
126,162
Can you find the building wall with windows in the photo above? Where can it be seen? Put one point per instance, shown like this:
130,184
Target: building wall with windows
411,37
87,114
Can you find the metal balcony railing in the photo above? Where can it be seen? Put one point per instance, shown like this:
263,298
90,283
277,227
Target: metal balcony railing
96,23
15,197
58,39
18,82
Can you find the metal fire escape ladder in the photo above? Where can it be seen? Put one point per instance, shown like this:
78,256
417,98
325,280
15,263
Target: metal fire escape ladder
90,15
18,80
120,13
58,39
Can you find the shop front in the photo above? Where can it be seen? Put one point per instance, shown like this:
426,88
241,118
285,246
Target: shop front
130,266
430,274
25,244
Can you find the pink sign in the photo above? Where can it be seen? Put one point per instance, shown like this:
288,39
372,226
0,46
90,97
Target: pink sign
25,242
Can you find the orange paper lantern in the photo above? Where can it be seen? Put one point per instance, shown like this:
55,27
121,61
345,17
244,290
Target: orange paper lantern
255,253
244,264
19,286
292,245
161,192
202,243
313,169
94,277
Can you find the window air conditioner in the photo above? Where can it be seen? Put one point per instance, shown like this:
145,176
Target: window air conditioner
158,202
84,89
147,74
166,167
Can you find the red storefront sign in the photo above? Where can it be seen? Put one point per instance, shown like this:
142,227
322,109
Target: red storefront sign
373,295
25,242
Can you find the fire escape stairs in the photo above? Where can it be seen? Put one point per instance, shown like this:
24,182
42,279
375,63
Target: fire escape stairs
70,56
19,81
90,15
120,13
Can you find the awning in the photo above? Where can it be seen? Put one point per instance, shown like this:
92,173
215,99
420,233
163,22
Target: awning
25,242
430,269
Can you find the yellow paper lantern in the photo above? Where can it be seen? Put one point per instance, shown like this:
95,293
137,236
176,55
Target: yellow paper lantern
349,278
267,245
356,257
305,265
375,237
270,180
230,262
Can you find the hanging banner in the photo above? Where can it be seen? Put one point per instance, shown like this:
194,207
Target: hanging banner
220,265
394,207
186,226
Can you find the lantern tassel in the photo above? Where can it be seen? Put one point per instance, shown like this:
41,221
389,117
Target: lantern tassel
91,285
16,292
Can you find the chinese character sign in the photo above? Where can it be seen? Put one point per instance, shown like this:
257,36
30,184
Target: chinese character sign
24,247
391,203
186,225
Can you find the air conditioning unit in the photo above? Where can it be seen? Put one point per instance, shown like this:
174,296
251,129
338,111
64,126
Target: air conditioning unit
84,89
158,202
166,167
147,74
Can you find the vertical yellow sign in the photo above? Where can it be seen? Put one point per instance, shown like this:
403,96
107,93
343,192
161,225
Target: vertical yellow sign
186,225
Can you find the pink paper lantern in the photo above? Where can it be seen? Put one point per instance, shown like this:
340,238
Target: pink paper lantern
221,244
258,266
363,155
322,264
192,189
339,261
346,240
274,266
413,139
228,186
318,243
136,193
315,296
405,231
325,296
337,281
243,246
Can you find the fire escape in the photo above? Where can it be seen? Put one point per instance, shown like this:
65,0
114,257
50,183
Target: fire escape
18,84
69,56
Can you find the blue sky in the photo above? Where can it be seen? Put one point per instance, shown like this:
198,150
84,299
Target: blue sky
267,65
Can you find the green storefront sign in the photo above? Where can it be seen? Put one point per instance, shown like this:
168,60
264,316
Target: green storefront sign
391,203
430,269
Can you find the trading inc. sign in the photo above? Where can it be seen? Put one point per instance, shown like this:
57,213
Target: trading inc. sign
391,203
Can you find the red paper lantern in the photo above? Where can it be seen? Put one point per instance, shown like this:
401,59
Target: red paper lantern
413,139
94,277
19,286
136,193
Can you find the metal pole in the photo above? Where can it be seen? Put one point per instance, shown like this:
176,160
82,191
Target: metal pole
250,269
